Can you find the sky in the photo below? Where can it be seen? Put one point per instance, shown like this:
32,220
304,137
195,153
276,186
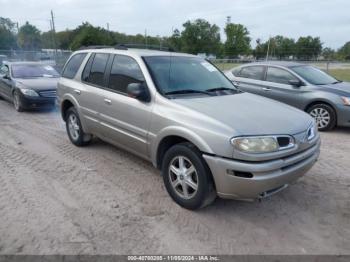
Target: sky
329,19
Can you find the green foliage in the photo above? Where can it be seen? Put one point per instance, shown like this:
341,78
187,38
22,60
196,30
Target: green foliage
329,53
344,52
237,40
308,48
28,37
200,36
7,34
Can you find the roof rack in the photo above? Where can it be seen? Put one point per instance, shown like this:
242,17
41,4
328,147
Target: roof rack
142,46
95,47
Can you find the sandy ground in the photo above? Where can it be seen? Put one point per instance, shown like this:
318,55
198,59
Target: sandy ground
56,198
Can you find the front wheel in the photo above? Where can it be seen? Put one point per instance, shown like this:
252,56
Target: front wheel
324,115
17,101
75,132
187,177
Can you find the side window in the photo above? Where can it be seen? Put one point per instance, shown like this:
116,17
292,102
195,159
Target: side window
252,72
73,65
86,71
98,68
125,70
278,75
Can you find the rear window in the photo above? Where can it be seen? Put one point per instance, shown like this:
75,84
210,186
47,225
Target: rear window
252,72
73,65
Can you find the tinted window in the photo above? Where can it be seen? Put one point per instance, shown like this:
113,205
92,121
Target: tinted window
98,68
73,65
278,75
252,72
86,72
125,70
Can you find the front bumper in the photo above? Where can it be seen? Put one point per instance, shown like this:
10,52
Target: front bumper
37,102
343,115
267,177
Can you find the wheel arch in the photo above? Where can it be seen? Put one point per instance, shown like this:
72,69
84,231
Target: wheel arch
66,103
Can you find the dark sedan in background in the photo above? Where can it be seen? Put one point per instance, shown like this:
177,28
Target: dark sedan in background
325,98
29,85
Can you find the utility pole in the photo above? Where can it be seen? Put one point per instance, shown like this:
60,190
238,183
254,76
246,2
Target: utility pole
146,38
54,34
108,27
268,49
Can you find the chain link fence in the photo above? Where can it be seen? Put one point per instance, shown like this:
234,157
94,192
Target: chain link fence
55,58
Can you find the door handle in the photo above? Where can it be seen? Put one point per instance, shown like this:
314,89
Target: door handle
77,91
107,101
266,89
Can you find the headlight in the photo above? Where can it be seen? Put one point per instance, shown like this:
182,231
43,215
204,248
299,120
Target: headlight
28,92
346,100
262,144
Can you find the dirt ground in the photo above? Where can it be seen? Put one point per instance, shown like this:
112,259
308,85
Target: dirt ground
56,198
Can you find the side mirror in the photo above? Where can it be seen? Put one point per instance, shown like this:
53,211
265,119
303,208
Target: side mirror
296,83
139,91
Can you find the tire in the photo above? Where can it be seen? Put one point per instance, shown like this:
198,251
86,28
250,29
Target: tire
17,101
178,183
324,115
74,129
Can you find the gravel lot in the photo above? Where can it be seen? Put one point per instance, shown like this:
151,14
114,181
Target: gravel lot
56,198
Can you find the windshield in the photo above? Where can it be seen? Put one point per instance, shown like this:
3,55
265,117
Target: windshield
33,71
187,75
314,76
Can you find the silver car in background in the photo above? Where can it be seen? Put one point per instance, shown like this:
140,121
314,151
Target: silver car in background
325,98
183,115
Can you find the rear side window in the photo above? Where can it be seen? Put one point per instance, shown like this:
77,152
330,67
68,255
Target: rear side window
97,70
278,75
252,72
125,70
73,65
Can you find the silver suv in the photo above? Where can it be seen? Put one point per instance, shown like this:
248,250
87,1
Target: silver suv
182,114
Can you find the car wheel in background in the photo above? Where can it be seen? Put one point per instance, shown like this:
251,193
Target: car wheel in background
75,132
187,177
324,115
17,101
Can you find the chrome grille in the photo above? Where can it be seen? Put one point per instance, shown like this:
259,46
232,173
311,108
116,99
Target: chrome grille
48,93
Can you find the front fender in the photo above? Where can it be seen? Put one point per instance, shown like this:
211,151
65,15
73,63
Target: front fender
179,131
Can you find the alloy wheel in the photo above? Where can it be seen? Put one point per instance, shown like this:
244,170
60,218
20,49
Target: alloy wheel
183,177
73,126
322,117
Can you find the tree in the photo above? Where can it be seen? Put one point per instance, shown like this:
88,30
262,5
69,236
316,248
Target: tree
29,37
344,52
175,40
308,47
282,47
200,37
237,40
328,53
7,34
86,35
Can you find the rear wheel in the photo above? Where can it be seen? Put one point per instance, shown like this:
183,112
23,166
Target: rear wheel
324,115
17,101
75,132
187,177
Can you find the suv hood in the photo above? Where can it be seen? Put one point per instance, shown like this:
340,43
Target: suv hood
38,84
248,114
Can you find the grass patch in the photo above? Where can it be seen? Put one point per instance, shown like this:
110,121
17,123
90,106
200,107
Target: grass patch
341,74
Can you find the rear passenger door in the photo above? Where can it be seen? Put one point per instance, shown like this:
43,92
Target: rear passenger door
250,79
277,81
125,120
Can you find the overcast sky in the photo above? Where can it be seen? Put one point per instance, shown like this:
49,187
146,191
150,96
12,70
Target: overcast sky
329,19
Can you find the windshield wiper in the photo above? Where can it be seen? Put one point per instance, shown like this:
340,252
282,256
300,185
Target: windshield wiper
188,91
221,88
